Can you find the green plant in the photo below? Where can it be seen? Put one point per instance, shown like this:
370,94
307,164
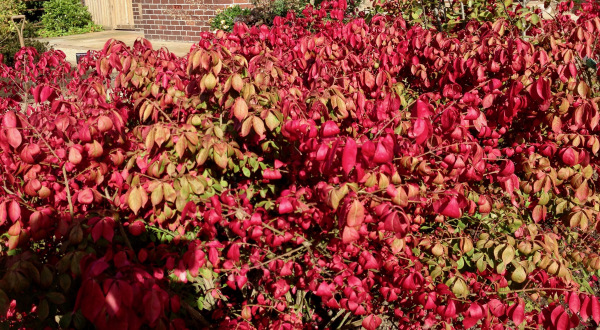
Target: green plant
11,45
7,9
265,11
225,19
65,17
454,14
33,10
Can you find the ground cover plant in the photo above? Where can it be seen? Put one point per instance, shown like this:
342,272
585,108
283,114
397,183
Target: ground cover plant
66,17
325,172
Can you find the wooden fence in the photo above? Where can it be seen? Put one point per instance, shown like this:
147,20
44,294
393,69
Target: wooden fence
111,14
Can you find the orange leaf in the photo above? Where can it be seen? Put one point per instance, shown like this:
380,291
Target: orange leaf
356,214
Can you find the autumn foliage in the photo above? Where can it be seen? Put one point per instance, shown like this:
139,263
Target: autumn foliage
324,172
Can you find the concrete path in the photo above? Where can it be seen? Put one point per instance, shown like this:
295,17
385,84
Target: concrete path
81,43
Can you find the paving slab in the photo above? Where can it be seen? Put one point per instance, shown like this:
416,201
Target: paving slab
81,43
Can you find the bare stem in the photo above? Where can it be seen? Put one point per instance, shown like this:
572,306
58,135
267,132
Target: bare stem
64,170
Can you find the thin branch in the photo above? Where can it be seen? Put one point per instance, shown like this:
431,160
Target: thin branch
64,170
195,314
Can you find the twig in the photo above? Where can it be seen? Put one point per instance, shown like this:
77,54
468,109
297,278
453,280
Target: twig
528,290
127,242
195,314
64,170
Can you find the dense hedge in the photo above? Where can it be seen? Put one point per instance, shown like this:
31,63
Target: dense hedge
324,172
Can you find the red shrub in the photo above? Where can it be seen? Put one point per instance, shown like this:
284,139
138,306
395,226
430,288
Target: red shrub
316,173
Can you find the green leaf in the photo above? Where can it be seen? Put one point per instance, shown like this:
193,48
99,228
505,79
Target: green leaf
79,321
4,303
535,19
65,320
481,265
460,263
56,298
246,172
519,275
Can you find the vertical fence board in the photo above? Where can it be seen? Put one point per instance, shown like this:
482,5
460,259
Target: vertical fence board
111,14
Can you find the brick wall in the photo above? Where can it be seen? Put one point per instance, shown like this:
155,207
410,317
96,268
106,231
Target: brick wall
177,20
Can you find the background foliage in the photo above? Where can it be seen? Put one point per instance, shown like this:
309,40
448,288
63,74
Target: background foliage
225,19
65,17
9,40
8,8
324,172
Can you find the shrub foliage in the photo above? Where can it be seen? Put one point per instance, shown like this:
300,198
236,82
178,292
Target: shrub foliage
8,8
319,173
226,19
65,17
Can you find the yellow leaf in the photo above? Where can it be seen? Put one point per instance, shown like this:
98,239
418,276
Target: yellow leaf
135,200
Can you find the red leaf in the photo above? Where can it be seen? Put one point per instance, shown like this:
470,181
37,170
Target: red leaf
113,300
371,322
329,129
324,290
369,79
488,101
35,91
556,313
45,93
448,311
574,302
470,322
85,196
3,213
421,130
476,311
152,306
570,157
542,88
496,307
563,322
14,211
104,124
421,110
395,223
74,156
9,120
285,206
518,313
14,137
104,228
271,174
349,156
595,309
136,228
213,256
586,308
368,261
356,214
507,168
448,207
124,293
234,252
349,235
90,299
382,154
108,230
